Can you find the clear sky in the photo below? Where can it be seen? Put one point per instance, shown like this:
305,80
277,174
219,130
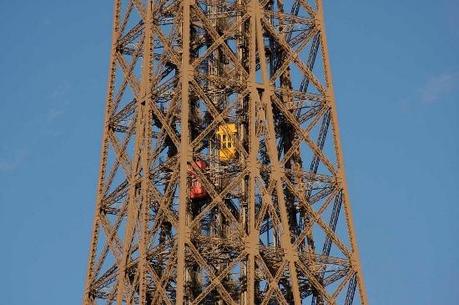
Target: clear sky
396,76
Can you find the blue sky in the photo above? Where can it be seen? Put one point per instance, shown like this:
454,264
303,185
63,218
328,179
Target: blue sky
396,76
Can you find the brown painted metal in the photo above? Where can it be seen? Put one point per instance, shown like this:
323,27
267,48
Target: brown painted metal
270,229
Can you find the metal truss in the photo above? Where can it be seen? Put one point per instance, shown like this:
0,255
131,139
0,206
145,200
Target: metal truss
275,224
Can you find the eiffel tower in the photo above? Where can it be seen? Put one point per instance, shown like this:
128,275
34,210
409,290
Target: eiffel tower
221,177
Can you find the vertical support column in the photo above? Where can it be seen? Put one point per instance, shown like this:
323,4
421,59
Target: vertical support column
243,136
330,96
252,235
185,153
87,300
291,254
145,150
138,198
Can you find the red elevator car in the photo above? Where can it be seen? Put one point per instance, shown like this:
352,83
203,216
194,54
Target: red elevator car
197,190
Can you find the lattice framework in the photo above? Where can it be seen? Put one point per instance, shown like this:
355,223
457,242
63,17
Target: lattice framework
276,226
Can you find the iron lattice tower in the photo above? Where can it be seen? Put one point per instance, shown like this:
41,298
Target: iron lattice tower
221,175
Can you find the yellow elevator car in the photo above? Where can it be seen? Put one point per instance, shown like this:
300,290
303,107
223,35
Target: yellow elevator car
226,133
